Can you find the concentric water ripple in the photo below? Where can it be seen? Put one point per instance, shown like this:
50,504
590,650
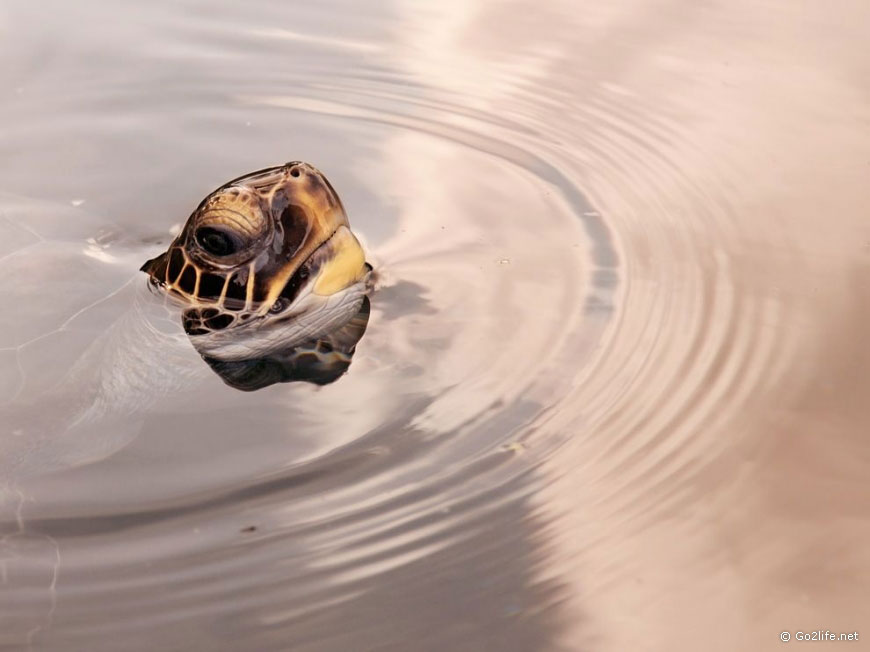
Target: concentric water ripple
416,455
598,323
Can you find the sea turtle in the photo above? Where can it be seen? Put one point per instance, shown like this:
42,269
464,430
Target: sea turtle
272,287
270,277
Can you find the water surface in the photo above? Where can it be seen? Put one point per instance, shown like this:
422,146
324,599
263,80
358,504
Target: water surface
613,390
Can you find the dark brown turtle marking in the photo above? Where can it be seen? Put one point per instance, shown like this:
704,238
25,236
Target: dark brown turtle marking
319,361
246,244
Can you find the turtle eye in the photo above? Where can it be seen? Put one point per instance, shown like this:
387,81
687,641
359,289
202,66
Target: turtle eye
217,242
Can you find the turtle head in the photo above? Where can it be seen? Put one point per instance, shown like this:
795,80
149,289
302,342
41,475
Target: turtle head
267,250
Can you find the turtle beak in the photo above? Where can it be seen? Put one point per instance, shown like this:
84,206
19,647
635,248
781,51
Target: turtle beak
156,267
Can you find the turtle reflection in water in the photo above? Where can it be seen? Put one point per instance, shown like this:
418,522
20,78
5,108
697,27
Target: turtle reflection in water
272,282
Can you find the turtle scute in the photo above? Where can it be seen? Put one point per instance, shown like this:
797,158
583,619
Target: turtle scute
264,280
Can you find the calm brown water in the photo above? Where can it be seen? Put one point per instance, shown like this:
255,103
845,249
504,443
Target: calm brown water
614,390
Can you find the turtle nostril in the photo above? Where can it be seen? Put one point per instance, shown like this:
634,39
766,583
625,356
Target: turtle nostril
216,241
280,304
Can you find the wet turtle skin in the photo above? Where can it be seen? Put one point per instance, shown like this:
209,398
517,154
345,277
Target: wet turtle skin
270,278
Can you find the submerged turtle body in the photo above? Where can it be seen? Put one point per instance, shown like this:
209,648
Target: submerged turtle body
270,281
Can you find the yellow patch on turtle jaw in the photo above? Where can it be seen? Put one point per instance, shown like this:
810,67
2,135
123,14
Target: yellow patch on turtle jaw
326,223
344,263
